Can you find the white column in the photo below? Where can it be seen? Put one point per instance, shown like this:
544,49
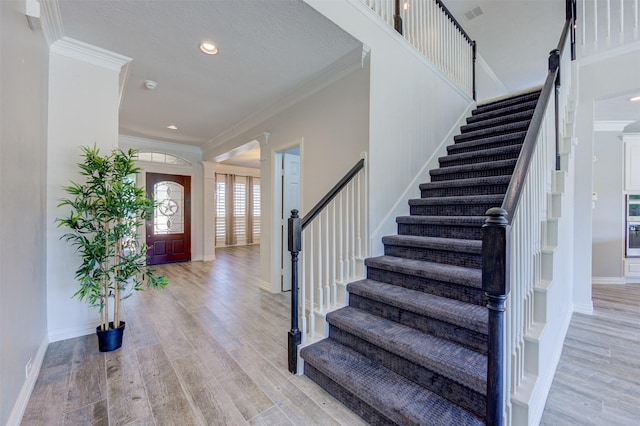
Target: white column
209,211
84,95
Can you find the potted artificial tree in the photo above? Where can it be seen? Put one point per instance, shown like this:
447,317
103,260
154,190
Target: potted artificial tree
104,214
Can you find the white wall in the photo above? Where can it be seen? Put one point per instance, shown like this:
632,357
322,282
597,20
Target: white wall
23,321
608,213
83,110
412,110
598,79
333,127
189,153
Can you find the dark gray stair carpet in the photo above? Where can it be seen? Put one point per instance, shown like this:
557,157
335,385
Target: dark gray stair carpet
410,349
392,398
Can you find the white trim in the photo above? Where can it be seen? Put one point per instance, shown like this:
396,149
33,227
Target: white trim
70,333
163,146
510,95
608,54
124,76
537,405
81,51
610,125
51,21
608,281
266,286
25,393
583,308
350,62
209,258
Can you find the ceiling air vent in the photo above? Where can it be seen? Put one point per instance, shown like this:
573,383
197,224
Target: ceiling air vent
473,13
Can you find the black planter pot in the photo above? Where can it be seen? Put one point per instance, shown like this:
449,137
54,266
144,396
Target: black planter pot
111,339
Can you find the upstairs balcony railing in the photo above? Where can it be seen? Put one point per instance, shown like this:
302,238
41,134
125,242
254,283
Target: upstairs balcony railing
431,28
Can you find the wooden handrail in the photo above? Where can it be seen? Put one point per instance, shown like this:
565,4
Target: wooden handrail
332,193
495,232
295,226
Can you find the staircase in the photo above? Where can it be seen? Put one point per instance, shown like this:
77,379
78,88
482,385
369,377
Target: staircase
411,346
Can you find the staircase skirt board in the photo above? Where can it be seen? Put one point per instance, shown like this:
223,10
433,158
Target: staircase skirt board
411,346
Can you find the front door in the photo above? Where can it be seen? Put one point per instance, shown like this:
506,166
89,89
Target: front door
169,230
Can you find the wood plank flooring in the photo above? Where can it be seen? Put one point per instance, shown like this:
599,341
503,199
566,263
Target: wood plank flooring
598,378
210,349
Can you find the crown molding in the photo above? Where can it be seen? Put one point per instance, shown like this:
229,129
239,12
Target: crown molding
348,63
90,54
51,21
610,125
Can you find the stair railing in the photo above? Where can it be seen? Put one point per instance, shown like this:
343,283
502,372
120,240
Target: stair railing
333,248
432,29
512,234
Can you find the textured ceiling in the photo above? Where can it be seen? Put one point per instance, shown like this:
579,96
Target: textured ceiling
266,49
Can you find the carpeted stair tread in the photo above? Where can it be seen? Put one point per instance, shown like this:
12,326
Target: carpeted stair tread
502,129
509,117
465,199
474,167
390,394
449,244
524,106
483,180
466,315
487,143
458,275
457,363
442,220
511,151
503,103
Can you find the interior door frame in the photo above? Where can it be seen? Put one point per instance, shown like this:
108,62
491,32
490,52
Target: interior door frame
276,203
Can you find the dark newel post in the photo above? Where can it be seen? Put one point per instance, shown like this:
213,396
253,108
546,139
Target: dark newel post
397,19
295,240
554,65
495,284
473,49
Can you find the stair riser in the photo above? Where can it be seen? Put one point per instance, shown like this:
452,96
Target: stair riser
506,103
465,337
492,131
464,148
434,381
445,231
452,209
456,258
501,171
526,106
355,404
431,286
465,190
512,117
447,162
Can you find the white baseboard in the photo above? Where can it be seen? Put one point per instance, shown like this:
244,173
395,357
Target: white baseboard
266,286
70,333
209,257
583,308
15,418
609,280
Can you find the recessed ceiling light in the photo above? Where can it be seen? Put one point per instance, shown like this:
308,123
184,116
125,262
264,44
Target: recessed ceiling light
172,127
208,48
635,99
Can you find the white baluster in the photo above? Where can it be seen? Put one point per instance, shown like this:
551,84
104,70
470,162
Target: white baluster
330,296
312,289
317,225
608,40
303,295
595,24
621,35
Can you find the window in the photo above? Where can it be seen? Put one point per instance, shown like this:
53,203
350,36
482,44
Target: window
237,219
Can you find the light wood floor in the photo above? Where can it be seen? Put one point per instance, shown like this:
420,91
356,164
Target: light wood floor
211,349
208,349
598,378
